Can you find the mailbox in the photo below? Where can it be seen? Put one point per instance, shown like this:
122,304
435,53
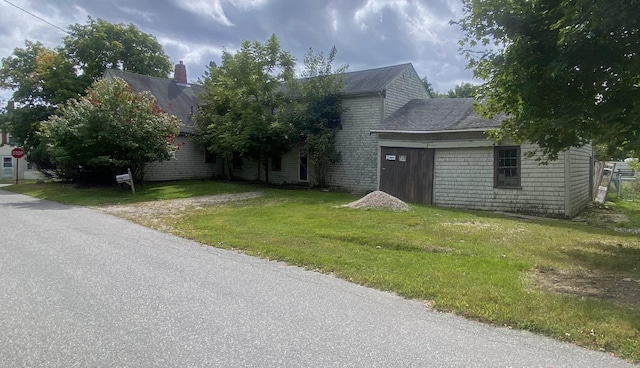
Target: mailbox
123,178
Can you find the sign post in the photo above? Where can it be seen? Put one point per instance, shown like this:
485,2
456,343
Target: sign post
17,153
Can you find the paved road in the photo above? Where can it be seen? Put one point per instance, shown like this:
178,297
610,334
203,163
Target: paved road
84,289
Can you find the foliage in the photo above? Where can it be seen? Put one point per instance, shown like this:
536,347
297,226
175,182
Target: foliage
432,92
315,113
98,45
109,130
565,72
604,152
242,102
42,78
463,90
38,75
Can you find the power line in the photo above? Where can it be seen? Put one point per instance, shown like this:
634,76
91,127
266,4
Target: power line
35,16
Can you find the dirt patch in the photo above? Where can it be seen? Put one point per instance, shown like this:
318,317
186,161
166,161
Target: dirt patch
161,214
621,290
471,224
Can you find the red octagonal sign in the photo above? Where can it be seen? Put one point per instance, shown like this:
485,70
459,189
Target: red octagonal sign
17,152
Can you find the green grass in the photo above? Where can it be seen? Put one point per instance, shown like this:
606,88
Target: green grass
93,196
475,264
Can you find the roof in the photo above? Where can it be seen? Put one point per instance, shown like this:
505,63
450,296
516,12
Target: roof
371,80
177,99
437,115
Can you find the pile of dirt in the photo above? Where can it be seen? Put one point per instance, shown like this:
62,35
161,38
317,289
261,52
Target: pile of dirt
379,199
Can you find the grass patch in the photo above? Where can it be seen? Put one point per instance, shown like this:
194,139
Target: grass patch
479,265
94,196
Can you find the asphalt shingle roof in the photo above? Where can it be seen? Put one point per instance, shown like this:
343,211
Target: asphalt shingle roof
371,80
438,114
176,99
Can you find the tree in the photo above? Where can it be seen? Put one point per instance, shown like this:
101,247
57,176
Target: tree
108,130
463,90
432,92
243,101
98,45
565,72
42,78
315,113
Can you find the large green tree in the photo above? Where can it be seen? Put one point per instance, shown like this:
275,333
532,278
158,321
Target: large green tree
565,72
315,112
42,78
242,104
98,44
108,130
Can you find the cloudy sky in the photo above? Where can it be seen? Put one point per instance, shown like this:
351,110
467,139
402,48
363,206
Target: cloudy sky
367,33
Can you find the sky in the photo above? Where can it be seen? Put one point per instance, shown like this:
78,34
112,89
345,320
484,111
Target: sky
367,33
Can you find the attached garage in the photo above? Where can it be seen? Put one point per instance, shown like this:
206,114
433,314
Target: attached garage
437,152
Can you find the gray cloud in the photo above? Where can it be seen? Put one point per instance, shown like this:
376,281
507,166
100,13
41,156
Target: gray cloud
367,33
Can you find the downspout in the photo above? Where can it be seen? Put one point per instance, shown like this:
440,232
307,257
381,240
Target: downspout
568,211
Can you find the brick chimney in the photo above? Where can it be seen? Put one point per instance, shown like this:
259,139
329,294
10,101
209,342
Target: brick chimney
180,74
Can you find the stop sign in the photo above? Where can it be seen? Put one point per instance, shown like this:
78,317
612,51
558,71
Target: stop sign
17,152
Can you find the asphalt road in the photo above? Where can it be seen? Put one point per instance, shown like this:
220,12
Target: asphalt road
80,288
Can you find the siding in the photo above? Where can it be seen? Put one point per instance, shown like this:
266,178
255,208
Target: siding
188,164
464,178
358,169
22,163
580,178
402,89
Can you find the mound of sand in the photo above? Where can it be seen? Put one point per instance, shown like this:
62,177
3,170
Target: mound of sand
379,199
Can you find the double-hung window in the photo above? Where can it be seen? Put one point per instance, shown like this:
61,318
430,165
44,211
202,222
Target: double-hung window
507,169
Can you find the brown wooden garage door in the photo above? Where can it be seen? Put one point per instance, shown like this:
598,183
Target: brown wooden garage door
407,173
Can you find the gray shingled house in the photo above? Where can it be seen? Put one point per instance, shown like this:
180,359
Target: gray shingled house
178,98
394,137
436,151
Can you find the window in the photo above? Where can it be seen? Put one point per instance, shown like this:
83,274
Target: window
276,163
237,161
506,167
209,157
7,162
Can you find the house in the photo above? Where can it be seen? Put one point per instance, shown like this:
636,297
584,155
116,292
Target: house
436,151
368,97
179,98
394,137
10,164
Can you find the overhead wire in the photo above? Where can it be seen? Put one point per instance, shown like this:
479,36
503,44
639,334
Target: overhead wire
35,16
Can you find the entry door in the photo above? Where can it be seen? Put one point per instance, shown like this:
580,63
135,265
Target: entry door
407,173
303,171
7,166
